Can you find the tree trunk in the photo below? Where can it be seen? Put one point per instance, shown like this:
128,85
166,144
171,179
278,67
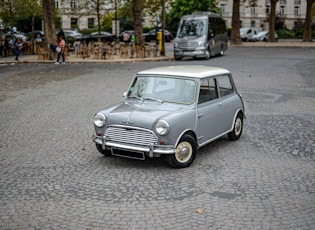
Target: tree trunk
307,36
49,25
99,39
272,21
163,29
235,32
136,11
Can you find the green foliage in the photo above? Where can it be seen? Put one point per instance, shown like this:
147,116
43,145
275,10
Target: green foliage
12,12
107,20
285,33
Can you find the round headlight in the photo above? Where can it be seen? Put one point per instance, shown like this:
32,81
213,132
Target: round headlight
162,127
99,120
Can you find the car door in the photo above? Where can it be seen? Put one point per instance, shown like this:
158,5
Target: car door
208,109
228,102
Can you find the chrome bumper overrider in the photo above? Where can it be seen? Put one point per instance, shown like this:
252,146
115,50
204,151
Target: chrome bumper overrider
152,150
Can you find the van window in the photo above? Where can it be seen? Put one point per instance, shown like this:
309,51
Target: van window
217,25
192,27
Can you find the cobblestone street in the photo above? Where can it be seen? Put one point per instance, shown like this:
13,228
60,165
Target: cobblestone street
52,176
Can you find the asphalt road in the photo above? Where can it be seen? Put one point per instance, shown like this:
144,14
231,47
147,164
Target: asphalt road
52,176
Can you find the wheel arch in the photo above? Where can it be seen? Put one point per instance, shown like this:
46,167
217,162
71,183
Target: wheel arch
188,132
235,115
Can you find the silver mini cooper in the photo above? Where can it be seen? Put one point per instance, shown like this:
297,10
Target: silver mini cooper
171,111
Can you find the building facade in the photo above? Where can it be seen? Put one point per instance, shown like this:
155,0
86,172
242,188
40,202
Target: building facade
256,13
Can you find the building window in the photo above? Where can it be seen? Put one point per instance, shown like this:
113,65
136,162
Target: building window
297,1
283,1
296,10
74,23
57,4
282,10
252,24
73,4
267,1
267,9
241,9
91,22
253,10
223,8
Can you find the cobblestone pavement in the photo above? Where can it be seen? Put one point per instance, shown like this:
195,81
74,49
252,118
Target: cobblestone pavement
52,176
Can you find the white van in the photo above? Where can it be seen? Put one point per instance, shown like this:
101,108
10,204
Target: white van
200,35
247,34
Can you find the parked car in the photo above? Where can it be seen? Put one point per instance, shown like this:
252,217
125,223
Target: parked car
17,34
171,111
263,36
151,36
73,34
105,36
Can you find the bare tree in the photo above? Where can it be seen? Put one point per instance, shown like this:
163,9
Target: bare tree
235,32
49,24
307,36
272,21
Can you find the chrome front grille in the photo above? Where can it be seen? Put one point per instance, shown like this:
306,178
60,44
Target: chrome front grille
131,135
187,45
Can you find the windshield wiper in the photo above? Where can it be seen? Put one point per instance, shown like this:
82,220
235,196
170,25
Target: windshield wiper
152,99
140,98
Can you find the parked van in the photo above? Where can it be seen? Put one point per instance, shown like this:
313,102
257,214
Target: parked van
200,35
247,34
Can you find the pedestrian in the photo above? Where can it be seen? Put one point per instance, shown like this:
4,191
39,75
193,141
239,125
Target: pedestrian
61,47
38,38
61,33
126,37
16,46
4,46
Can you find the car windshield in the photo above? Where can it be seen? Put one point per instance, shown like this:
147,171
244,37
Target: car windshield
164,89
192,27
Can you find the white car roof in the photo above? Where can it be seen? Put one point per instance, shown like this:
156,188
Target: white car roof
195,71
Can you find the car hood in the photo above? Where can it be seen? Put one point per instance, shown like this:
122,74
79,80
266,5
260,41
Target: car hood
140,114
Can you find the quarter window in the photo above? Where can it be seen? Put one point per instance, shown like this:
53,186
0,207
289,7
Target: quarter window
225,85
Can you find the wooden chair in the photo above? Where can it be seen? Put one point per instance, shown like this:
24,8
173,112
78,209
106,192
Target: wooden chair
140,51
124,51
42,54
109,51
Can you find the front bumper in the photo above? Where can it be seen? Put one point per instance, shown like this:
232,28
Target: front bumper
190,53
152,151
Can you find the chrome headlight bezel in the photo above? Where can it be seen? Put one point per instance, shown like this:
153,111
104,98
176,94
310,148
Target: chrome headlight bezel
162,127
201,44
99,120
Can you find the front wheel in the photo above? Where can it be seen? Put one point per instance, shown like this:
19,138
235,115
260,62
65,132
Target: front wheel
185,153
236,133
105,152
208,54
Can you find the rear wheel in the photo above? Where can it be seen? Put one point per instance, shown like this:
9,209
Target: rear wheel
237,129
105,152
185,153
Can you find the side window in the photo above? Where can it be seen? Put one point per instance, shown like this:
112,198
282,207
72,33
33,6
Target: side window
208,90
225,85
